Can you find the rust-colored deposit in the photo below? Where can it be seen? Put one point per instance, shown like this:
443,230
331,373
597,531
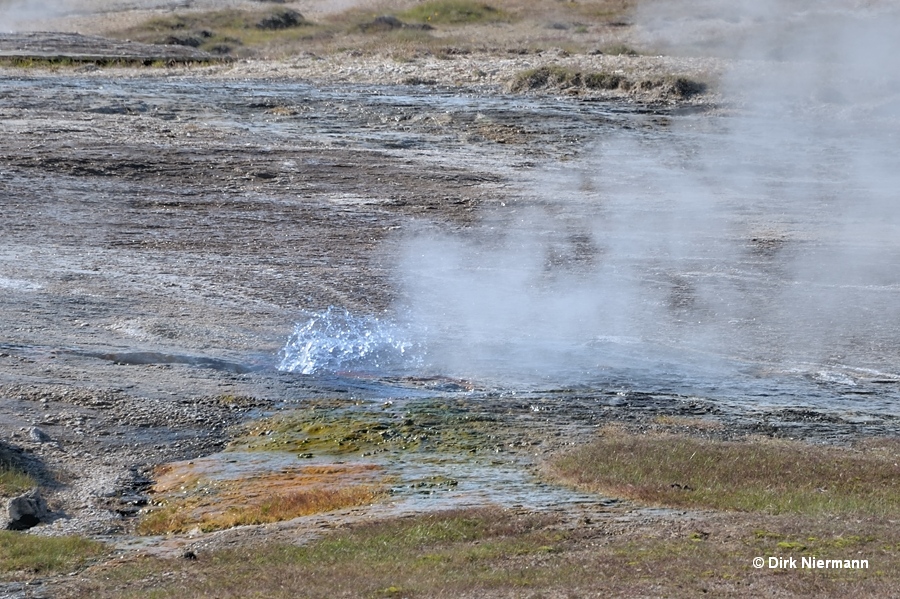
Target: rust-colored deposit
189,495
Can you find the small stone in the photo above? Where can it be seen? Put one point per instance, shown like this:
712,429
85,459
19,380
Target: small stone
37,435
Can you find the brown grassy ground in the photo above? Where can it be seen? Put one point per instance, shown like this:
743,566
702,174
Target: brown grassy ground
758,475
589,48
460,26
497,553
492,552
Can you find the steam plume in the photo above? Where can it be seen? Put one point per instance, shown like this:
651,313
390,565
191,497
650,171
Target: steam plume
28,15
765,239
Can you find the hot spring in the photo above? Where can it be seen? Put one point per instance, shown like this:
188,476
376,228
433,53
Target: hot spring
749,254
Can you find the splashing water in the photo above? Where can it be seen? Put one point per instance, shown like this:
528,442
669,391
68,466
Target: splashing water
335,341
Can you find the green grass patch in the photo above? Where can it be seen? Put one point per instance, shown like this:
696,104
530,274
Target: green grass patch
759,475
453,12
23,553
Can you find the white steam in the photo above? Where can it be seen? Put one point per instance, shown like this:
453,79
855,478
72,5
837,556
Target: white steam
28,15
768,237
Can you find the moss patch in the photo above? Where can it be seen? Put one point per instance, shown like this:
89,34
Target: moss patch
438,426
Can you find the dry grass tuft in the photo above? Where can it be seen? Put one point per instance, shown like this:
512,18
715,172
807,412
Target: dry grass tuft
13,479
572,80
759,475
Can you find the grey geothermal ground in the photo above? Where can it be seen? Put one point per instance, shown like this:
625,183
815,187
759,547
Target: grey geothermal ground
161,236
162,232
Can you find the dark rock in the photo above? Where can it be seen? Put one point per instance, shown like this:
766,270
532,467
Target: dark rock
25,511
283,19
221,49
686,88
681,487
419,81
128,511
383,23
134,499
386,23
183,40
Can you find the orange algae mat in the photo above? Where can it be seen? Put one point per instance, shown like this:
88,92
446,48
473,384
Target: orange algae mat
217,492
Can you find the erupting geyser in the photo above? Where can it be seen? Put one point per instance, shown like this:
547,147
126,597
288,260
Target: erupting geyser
334,340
